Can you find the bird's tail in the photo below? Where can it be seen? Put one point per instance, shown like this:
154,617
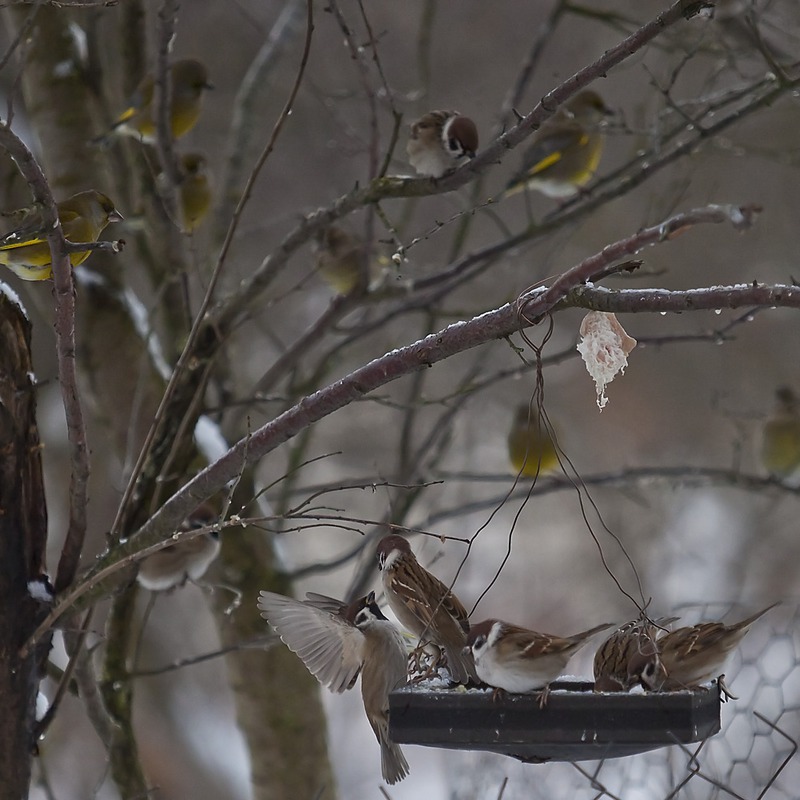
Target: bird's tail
746,623
461,665
580,637
394,766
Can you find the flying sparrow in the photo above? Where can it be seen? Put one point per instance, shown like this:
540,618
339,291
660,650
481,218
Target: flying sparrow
439,140
566,150
690,656
341,260
424,605
612,657
519,660
337,642
187,559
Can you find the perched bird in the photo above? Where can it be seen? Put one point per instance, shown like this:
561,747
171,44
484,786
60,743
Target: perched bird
83,218
780,448
189,79
425,606
337,642
519,660
688,657
612,657
341,260
531,449
194,191
187,559
566,150
439,140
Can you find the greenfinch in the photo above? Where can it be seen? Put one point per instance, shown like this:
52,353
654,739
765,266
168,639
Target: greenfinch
566,150
195,191
780,447
189,79
531,449
83,218
341,260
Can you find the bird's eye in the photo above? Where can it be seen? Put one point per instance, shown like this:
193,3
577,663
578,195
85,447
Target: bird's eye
454,145
480,641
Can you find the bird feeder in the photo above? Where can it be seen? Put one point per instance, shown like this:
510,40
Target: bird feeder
576,724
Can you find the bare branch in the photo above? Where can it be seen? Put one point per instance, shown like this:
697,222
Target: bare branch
65,349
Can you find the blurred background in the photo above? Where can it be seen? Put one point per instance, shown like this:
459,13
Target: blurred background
429,451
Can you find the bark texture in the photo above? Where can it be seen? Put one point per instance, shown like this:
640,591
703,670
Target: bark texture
23,531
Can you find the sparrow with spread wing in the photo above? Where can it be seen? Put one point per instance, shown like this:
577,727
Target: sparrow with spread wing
337,642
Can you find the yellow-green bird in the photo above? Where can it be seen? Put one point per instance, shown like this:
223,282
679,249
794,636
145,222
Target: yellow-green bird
780,447
341,260
189,79
83,218
194,190
566,150
531,449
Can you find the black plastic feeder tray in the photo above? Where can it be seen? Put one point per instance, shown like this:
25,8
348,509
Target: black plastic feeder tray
575,725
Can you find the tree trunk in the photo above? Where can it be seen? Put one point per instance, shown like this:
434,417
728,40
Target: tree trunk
23,531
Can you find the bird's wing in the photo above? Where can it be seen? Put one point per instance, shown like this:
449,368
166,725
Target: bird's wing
549,150
331,648
28,231
141,98
437,601
325,603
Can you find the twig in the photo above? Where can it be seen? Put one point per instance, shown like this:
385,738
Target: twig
168,158
438,346
187,355
65,350
244,120
395,187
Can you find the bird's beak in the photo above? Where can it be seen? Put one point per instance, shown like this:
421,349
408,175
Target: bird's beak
115,216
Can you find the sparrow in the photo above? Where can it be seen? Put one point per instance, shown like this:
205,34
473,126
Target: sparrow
565,152
187,559
189,79
612,657
780,447
338,641
690,656
341,260
531,449
83,218
439,140
425,606
518,660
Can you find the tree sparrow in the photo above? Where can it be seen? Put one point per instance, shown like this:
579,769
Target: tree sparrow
341,260
519,660
690,656
425,606
612,657
780,447
439,140
337,642
187,559
566,150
